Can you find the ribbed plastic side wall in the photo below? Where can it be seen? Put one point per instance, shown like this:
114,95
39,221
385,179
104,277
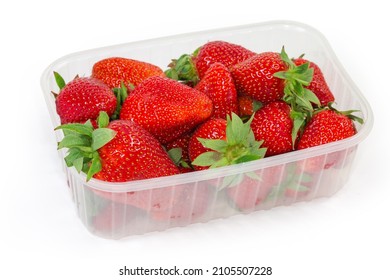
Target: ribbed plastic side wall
117,215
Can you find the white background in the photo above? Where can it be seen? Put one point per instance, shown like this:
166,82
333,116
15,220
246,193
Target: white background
344,237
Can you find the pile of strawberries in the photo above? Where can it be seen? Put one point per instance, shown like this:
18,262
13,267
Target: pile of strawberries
221,105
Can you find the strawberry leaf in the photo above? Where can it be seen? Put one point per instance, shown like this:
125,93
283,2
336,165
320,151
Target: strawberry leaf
347,113
286,58
95,167
309,95
298,124
176,155
101,137
78,164
73,140
88,123
207,159
219,163
73,154
246,158
214,144
77,128
59,80
103,120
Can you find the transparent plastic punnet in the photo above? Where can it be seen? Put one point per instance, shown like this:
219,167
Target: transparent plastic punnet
117,210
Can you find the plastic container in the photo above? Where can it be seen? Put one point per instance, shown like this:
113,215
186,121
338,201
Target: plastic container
117,210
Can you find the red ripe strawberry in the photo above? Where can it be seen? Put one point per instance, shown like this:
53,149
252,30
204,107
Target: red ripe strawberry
219,51
326,126
166,108
192,68
211,129
218,84
255,77
272,123
118,151
318,84
82,99
133,154
114,70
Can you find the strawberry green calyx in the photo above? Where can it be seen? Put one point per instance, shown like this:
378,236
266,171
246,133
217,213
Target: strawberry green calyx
183,69
348,113
300,98
176,154
59,80
83,143
238,147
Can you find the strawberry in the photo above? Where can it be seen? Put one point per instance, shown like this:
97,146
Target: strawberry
255,77
326,126
117,151
219,142
82,99
218,84
120,151
114,70
318,84
192,68
226,53
273,124
122,160
166,108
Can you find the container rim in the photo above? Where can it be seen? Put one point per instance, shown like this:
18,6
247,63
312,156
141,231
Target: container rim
160,182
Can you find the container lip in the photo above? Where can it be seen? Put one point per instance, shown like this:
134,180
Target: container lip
193,177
